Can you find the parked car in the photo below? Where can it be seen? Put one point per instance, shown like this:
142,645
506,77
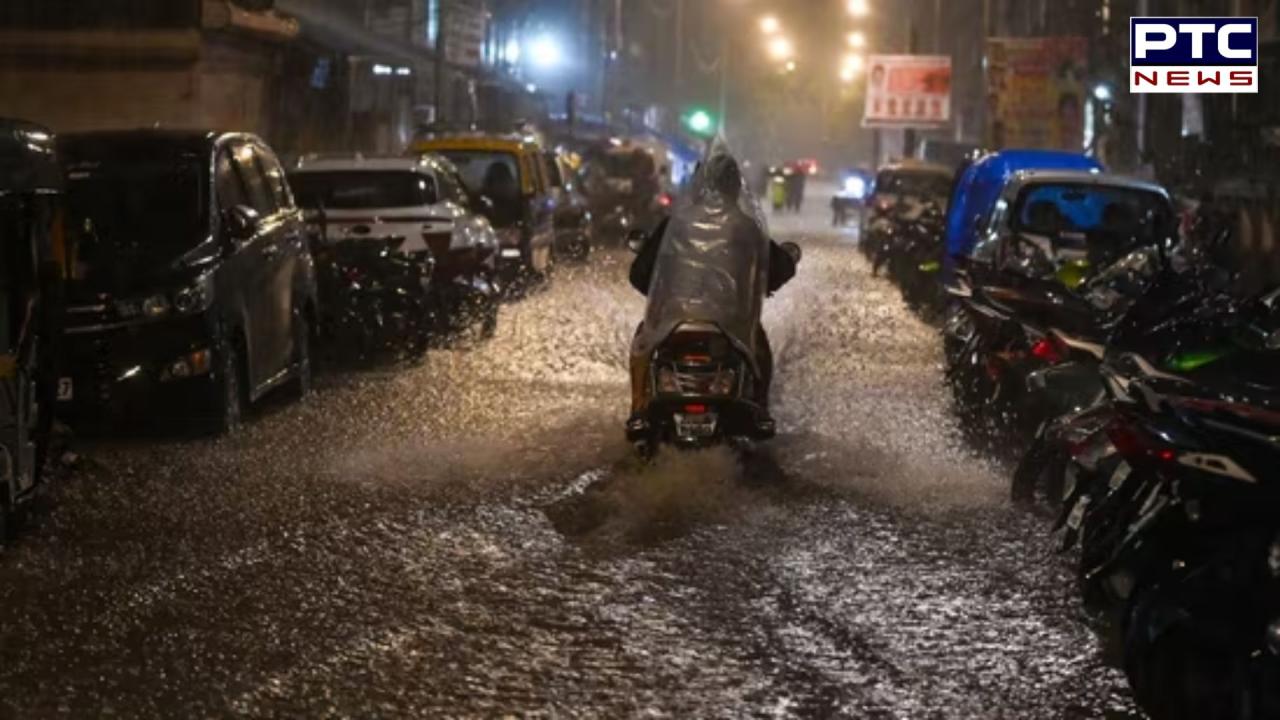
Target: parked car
572,211
193,289
507,173
422,201
901,194
33,251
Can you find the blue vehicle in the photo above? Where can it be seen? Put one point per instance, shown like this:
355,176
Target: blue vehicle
980,184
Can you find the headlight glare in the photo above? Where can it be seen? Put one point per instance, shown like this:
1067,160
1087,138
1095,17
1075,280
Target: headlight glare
156,306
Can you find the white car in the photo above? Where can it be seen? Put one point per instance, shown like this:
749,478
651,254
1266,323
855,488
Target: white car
419,199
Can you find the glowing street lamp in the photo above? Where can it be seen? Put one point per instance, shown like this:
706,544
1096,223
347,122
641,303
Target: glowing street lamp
857,39
545,53
859,8
769,25
780,48
851,67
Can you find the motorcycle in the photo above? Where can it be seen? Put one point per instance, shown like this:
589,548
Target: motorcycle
1172,499
914,259
703,390
1021,347
376,299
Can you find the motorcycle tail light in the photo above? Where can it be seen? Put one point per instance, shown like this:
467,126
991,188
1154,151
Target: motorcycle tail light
1135,443
696,409
1045,349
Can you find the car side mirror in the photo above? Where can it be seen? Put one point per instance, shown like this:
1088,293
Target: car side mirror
241,223
793,250
635,240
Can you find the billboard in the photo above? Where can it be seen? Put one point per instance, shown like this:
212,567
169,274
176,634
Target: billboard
908,91
1036,92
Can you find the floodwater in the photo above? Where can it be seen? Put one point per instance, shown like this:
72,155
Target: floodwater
471,537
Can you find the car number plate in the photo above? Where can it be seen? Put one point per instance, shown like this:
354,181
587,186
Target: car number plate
66,389
695,426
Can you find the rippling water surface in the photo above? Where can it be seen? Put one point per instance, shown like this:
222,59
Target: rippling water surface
470,537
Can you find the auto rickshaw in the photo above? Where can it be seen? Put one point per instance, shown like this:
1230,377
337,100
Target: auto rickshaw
32,273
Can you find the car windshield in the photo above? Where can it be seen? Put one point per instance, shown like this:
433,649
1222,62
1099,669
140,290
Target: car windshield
1113,214
361,189
495,175
926,185
158,209
483,171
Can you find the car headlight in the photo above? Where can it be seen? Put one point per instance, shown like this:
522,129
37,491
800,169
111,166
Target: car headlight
194,298
1273,557
156,306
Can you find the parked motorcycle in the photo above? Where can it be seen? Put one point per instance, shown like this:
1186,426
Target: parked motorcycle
1171,498
375,299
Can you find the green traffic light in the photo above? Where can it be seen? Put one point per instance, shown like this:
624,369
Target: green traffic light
701,122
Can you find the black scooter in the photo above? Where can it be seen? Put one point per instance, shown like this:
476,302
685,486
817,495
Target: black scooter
375,299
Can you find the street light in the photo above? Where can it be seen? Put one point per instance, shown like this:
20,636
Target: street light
859,8
857,39
545,52
780,48
851,66
769,25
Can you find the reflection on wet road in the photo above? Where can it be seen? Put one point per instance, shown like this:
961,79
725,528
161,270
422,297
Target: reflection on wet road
470,537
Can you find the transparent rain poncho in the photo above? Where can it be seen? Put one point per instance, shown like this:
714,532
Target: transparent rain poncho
713,263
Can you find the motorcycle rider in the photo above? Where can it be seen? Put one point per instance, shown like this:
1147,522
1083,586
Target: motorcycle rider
719,201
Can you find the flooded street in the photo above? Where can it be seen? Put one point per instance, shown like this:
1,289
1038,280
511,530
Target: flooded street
471,537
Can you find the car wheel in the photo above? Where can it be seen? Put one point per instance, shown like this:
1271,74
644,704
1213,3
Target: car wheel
302,380
229,389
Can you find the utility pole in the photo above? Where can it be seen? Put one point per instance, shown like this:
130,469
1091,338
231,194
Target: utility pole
913,44
679,49
724,82
442,19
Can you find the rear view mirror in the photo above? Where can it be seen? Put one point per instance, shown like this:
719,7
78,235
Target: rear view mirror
241,223
635,240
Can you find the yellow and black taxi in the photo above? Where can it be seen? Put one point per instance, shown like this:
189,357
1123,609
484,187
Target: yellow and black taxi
193,289
509,178
34,249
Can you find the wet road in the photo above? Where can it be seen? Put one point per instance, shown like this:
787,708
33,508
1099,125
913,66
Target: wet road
468,537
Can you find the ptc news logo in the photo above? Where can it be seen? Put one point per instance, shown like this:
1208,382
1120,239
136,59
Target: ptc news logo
1193,55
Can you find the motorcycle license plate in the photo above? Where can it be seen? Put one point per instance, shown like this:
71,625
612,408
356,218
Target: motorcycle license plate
695,426
66,389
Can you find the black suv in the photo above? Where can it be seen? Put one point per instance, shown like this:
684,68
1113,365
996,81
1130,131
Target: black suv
192,289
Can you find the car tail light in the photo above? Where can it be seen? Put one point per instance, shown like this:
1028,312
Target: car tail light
695,409
665,200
